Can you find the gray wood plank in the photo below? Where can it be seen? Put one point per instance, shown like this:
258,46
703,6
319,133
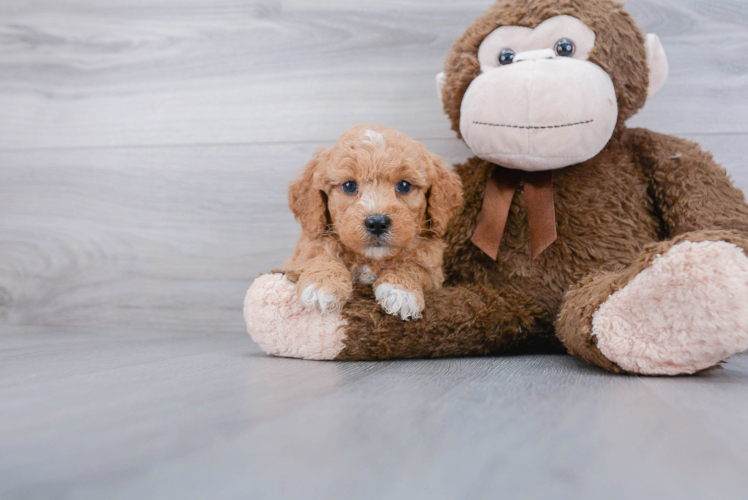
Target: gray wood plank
151,415
76,74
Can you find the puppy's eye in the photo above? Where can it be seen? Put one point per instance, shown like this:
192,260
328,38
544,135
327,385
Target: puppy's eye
403,187
350,187
565,48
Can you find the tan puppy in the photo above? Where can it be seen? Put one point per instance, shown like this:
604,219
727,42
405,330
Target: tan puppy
373,209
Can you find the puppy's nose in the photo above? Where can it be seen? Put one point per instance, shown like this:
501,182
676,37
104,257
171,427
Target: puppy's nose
378,224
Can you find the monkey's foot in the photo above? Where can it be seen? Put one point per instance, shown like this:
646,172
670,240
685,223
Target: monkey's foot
687,312
281,326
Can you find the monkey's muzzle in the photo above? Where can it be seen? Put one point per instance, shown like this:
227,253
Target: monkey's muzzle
542,112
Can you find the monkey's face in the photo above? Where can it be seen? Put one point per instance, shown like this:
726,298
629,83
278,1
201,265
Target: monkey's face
538,103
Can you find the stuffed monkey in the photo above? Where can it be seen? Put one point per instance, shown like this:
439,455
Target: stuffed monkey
624,247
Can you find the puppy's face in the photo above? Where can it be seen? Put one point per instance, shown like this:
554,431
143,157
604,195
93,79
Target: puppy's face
377,199
376,188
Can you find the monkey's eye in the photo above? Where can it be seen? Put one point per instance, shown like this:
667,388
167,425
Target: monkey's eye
403,187
506,57
350,187
565,48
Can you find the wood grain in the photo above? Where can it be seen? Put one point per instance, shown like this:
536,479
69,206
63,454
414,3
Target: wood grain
203,72
137,414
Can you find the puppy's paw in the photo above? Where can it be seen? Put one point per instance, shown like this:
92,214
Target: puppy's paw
397,301
324,296
318,299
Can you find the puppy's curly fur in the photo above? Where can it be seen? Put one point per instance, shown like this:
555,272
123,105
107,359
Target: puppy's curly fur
372,171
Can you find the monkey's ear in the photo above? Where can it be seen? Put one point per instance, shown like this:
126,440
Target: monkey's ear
657,63
307,202
441,79
444,196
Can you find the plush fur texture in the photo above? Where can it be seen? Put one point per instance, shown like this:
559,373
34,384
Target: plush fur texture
282,327
335,249
651,325
616,213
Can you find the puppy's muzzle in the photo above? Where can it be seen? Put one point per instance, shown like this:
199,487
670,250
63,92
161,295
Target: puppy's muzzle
377,224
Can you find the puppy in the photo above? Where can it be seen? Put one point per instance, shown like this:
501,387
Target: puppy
373,209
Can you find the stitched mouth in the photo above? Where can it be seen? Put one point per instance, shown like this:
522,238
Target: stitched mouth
533,127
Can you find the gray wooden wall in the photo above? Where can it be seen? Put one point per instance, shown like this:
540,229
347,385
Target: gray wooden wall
146,145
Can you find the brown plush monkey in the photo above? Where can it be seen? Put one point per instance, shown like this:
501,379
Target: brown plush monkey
624,247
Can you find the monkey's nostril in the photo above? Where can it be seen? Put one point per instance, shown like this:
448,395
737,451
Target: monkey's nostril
377,224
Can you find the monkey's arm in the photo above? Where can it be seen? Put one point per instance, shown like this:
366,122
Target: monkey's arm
690,190
466,320
469,320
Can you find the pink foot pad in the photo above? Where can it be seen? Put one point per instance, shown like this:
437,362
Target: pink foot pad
686,312
282,327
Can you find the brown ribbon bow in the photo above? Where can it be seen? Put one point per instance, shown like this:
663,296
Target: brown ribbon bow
541,215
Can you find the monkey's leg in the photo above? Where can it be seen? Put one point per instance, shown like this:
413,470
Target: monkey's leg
457,321
681,308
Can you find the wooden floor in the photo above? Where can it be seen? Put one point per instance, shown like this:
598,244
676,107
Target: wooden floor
145,151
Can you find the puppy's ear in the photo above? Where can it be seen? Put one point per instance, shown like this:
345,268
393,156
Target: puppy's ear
307,201
444,197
